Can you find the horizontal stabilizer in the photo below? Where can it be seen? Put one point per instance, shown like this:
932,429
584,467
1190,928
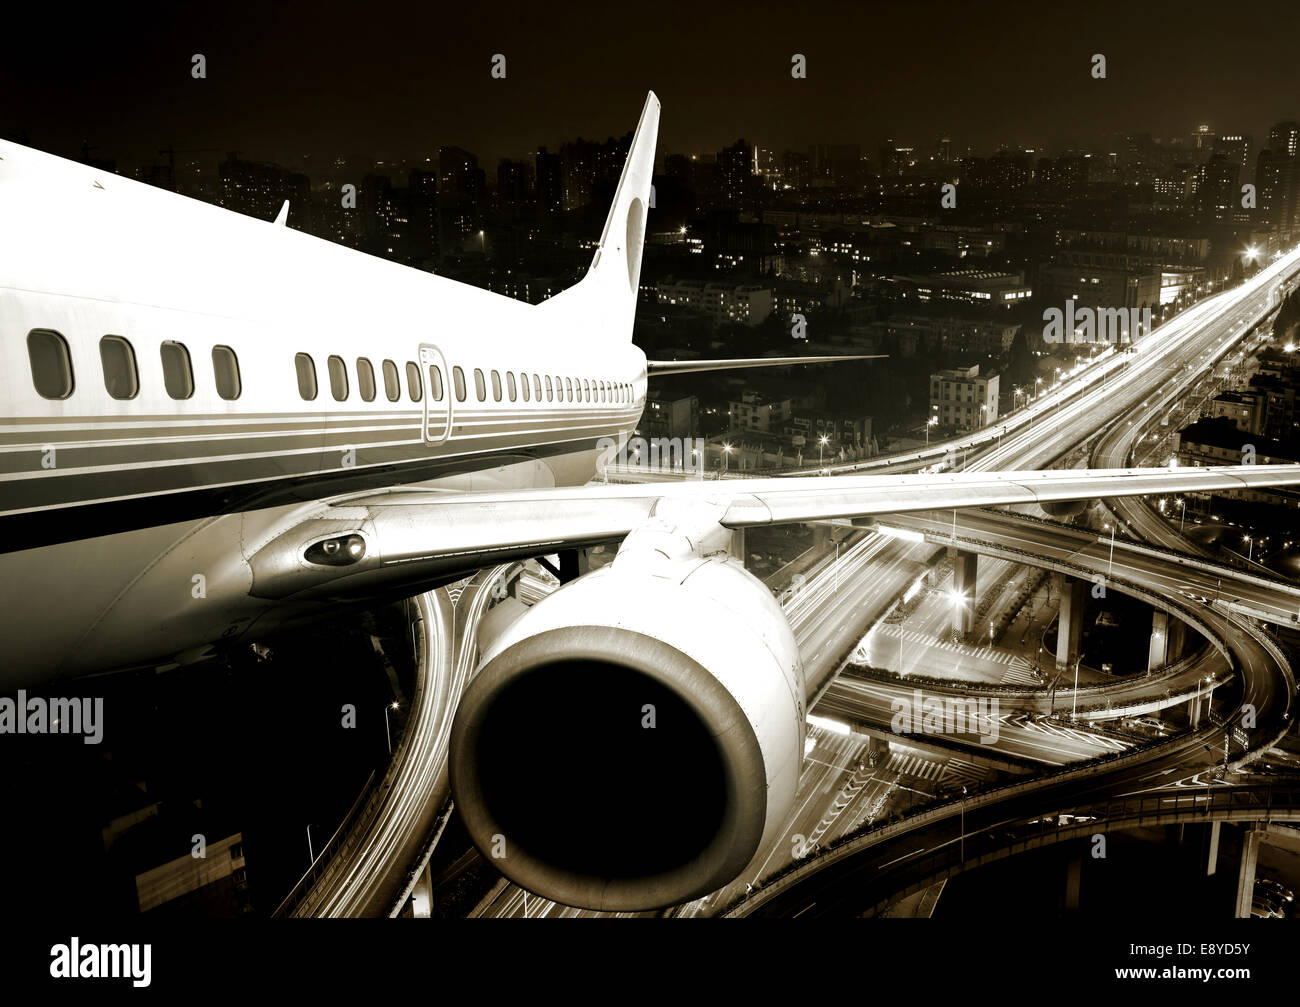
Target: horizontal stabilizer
692,366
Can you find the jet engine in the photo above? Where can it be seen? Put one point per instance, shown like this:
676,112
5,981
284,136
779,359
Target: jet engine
632,740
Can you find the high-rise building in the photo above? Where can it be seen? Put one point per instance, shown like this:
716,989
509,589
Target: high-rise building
460,196
1284,139
1277,179
1216,188
735,169
514,185
1235,147
550,185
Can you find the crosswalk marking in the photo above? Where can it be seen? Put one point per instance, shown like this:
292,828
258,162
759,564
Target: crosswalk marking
985,652
915,766
1021,672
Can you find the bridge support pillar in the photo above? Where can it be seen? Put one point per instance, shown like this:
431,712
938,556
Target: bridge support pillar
1212,862
965,566
1073,882
1159,651
1177,637
877,751
1070,621
1246,873
421,901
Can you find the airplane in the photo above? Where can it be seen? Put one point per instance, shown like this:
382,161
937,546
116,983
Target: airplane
213,428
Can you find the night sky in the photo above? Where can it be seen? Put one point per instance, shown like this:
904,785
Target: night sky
398,80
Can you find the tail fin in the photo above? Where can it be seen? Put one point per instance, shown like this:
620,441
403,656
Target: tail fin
615,270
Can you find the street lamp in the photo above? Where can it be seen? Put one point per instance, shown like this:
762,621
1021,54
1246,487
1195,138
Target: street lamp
726,457
1111,562
1250,555
931,422
1074,700
387,731
821,445
1182,513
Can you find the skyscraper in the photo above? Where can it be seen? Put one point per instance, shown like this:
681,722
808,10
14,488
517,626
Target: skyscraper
1284,139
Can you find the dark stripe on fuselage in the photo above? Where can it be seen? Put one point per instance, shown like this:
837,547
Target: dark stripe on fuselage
86,520
198,450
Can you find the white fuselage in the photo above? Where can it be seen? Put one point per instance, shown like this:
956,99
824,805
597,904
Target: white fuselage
132,500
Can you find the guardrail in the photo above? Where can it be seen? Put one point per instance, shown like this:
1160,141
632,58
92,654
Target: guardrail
1250,803
876,832
950,686
348,835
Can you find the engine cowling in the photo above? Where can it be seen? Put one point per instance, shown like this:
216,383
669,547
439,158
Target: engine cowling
631,741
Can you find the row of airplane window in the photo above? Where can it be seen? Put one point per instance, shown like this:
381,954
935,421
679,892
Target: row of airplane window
52,375
513,387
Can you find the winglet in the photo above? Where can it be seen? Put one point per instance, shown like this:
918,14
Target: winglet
282,218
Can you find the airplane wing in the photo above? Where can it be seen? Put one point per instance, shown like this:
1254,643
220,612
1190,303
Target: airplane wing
654,367
409,536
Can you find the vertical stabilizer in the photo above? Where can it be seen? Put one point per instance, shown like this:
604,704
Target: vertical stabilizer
610,287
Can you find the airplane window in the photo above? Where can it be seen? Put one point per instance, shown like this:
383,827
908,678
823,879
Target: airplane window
366,379
459,377
479,387
548,388
414,386
586,391
121,377
537,386
51,363
603,392
568,384
225,368
435,382
392,385
338,378
510,385
496,387
178,375
306,376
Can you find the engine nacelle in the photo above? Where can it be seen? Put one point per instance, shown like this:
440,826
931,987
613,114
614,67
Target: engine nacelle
631,741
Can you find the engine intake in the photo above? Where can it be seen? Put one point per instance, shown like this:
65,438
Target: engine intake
631,741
